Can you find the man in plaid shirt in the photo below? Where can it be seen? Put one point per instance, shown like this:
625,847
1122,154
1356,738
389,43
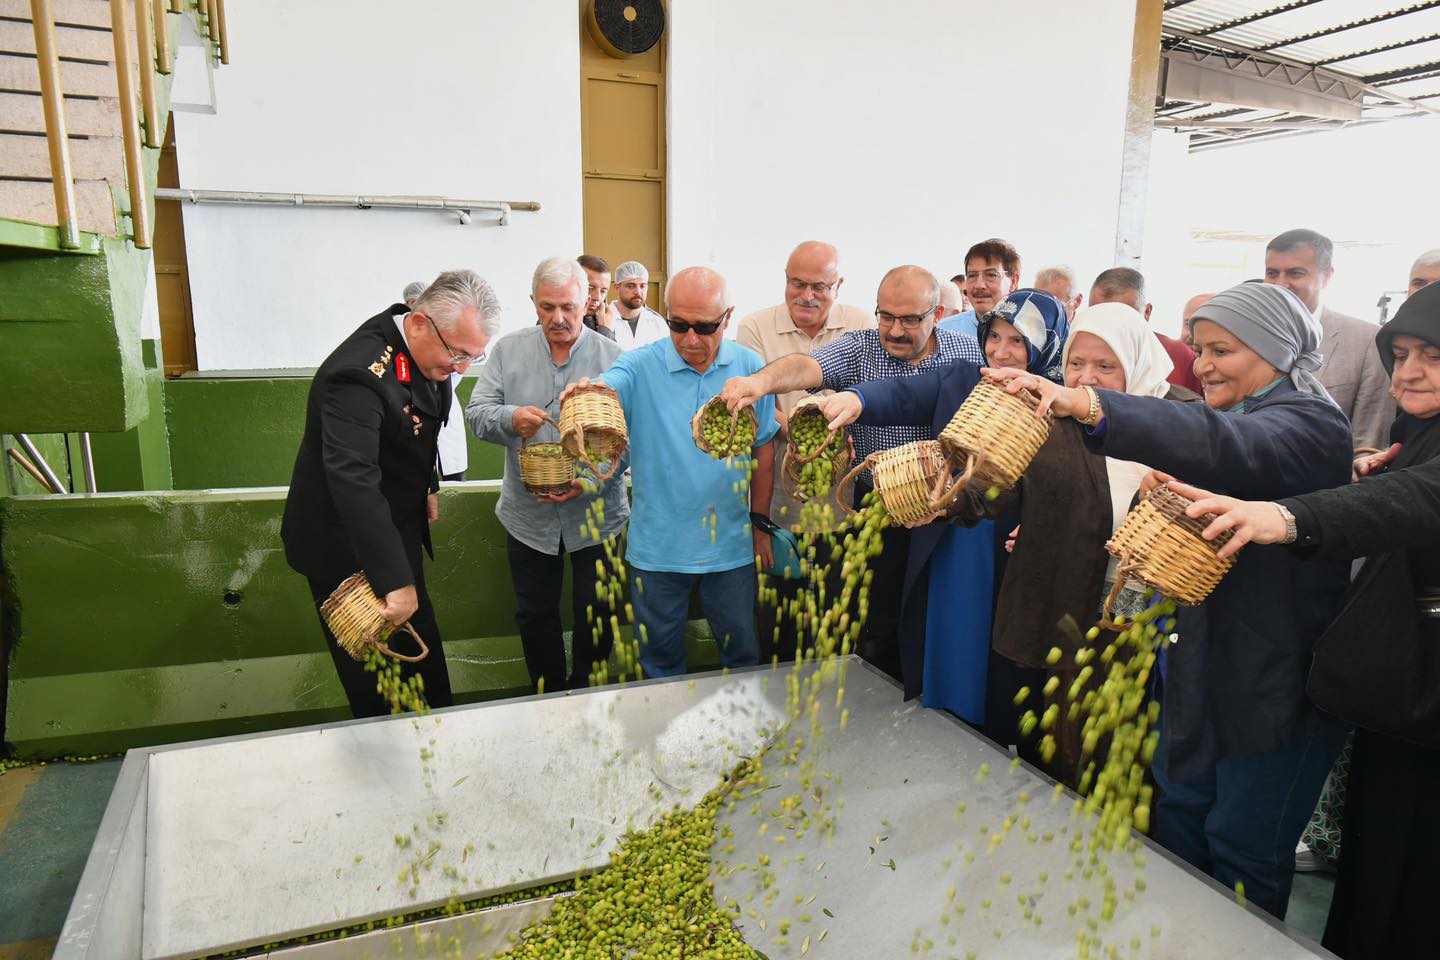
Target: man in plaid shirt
904,343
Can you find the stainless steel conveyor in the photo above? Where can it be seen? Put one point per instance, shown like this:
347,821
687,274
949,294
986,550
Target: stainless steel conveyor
243,841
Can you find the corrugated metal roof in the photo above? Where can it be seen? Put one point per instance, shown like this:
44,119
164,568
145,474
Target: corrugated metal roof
1391,48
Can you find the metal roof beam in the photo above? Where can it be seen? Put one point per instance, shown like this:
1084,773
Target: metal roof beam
1403,73
1397,45
1364,84
1353,24
1257,15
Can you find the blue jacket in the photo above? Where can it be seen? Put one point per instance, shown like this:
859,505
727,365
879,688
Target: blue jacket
929,398
1235,681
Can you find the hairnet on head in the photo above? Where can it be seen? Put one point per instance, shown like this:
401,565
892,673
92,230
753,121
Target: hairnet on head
631,270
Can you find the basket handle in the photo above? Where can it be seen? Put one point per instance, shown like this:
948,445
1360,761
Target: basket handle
525,441
849,478
1122,573
940,501
424,650
820,449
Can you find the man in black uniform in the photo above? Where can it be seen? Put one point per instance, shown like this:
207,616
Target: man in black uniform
363,492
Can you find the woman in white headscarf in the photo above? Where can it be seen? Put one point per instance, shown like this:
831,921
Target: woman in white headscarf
1071,501
1242,752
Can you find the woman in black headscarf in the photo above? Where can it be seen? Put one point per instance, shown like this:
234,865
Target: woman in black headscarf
1388,884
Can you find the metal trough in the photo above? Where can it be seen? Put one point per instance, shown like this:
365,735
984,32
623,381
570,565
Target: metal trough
240,842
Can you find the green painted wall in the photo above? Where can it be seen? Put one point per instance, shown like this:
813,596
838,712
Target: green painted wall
139,458
119,631
70,329
242,430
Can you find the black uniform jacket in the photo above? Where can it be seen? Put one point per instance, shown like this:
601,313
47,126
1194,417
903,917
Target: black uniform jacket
366,462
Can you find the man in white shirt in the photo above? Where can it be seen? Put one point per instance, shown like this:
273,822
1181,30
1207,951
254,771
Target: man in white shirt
1300,261
454,457
633,322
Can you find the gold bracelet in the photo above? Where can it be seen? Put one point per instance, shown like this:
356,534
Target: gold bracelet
1093,413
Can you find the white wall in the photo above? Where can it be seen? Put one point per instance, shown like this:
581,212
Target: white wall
902,135
467,99
903,132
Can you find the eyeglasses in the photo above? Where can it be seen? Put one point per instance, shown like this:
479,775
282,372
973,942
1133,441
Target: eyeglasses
989,276
703,329
818,287
909,322
455,358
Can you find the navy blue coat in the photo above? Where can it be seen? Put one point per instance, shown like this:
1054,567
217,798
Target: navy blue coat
928,398
1235,681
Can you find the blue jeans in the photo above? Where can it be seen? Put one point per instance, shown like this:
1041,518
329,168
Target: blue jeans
1242,820
661,601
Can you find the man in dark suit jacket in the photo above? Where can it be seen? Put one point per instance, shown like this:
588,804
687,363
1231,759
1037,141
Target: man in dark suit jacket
363,492
1301,261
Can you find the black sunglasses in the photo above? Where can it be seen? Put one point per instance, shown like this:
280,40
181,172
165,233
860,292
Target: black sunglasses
704,329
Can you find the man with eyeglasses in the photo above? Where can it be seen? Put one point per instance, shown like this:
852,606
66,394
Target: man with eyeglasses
516,401
633,322
690,525
905,343
362,495
808,319
992,273
454,455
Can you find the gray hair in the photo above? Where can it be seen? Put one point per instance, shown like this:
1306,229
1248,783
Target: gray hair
1117,280
455,291
631,270
1048,275
1430,258
412,291
950,297
559,272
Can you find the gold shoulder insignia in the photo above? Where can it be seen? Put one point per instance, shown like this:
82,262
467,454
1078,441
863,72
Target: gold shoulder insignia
377,368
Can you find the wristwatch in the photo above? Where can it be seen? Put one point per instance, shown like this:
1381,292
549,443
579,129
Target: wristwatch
763,523
1291,533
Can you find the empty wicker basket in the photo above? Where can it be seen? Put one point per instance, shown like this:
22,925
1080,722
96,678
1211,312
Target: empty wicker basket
592,428
697,428
835,451
353,615
545,468
1161,547
995,433
904,477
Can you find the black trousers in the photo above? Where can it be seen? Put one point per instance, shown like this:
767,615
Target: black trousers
539,579
359,685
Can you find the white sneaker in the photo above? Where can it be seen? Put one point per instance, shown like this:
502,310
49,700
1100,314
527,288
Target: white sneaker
1308,861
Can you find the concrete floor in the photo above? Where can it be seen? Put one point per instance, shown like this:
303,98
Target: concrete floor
49,815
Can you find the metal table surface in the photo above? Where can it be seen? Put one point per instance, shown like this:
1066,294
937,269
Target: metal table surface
255,839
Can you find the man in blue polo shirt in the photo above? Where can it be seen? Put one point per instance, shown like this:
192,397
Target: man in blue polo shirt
689,527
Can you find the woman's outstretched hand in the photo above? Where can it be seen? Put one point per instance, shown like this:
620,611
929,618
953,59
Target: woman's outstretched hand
1253,521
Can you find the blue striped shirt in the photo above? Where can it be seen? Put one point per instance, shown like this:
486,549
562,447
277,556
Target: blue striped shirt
859,357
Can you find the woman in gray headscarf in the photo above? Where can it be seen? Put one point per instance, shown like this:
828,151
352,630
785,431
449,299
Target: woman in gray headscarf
1242,754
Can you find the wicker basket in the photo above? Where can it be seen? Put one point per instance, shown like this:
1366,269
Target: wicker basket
545,468
353,615
995,434
698,432
1161,547
904,478
591,419
836,450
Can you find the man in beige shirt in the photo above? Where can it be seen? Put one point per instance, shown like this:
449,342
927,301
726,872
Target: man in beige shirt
808,319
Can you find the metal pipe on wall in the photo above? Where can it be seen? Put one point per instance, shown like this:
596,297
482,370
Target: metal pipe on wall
458,205
61,177
145,42
87,455
125,88
51,478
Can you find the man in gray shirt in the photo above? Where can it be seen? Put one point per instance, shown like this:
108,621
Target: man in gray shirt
517,397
